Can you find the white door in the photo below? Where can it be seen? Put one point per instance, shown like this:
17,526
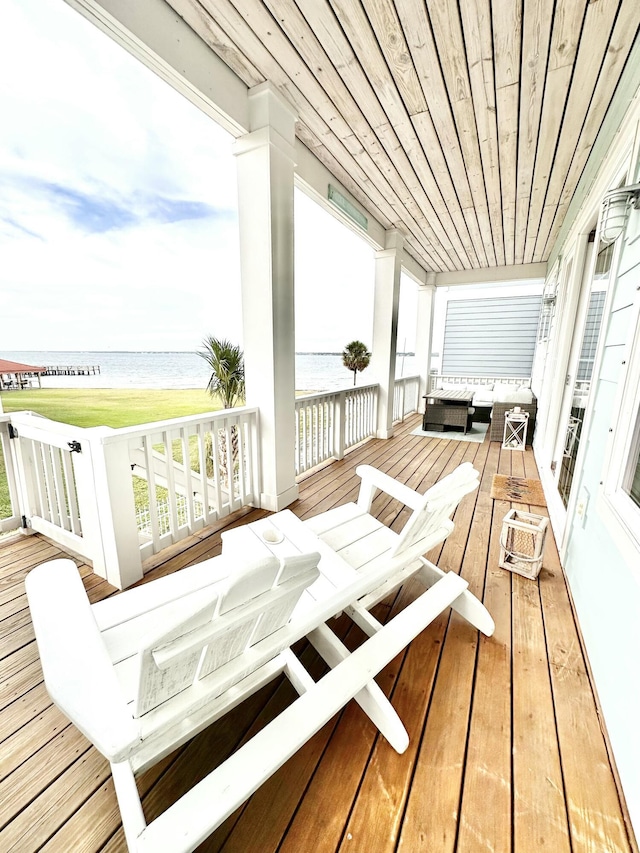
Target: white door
577,381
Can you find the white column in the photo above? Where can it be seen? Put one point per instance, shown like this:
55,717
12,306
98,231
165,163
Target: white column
265,164
385,326
107,507
424,331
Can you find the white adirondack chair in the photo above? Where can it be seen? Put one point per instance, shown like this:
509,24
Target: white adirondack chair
144,671
365,543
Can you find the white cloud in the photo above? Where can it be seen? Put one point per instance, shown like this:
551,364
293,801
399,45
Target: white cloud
97,156
118,223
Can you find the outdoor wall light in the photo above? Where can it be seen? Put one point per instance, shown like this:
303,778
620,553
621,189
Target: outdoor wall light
616,207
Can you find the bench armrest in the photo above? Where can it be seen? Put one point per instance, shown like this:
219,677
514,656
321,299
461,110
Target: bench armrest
78,673
373,479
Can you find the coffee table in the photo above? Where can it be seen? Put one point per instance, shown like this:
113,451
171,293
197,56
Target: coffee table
447,409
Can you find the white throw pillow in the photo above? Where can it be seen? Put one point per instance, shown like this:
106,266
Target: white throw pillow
502,392
485,391
521,395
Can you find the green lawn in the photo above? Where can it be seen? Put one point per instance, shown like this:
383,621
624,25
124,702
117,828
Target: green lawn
114,407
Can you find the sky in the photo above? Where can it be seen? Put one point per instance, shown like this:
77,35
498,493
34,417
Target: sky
118,208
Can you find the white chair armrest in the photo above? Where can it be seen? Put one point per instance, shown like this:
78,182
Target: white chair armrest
78,673
373,479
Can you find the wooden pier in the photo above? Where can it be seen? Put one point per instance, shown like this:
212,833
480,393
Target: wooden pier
72,370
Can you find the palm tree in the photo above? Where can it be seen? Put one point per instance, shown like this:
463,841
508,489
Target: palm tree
226,361
356,357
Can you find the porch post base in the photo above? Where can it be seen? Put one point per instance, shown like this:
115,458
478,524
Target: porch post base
384,433
275,503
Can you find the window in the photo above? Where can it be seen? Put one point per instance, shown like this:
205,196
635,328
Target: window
591,334
604,261
547,307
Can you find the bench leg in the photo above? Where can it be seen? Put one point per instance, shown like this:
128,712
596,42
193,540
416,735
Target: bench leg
467,604
371,698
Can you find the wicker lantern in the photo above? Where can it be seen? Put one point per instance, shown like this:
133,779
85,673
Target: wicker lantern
522,543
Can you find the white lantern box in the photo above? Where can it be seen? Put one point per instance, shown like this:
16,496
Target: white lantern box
522,542
515,429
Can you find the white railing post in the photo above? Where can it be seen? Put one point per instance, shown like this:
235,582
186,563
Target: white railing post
113,522
256,459
339,415
13,521
23,461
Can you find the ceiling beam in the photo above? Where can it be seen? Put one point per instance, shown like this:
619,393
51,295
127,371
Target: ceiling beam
490,275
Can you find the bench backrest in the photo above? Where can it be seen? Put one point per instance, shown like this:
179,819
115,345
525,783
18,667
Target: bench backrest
258,600
438,505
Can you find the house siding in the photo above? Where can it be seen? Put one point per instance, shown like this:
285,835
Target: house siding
491,337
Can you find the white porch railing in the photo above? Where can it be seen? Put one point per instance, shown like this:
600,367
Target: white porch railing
117,496
46,482
437,379
191,472
406,398
83,487
329,423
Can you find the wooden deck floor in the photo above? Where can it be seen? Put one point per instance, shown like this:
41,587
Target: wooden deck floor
506,749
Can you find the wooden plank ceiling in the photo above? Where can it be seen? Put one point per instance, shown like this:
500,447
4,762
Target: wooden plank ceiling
466,124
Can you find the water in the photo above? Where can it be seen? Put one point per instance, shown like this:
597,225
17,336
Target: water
314,371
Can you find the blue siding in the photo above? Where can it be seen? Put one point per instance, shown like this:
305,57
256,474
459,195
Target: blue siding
491,337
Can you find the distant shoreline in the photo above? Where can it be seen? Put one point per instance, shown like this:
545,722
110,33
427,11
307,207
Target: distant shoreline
177,369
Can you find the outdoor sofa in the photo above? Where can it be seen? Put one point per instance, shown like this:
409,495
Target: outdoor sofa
493,398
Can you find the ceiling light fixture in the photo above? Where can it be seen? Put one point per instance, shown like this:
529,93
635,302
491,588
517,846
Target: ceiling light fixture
616,207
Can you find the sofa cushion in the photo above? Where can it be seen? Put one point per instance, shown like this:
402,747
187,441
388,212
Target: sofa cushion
483,397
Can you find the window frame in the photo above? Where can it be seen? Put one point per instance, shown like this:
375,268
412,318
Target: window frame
616,505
